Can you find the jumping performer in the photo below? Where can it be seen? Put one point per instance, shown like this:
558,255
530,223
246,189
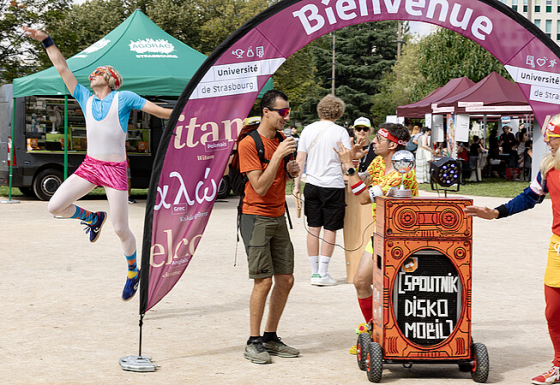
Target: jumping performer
381,177
106,112
547,181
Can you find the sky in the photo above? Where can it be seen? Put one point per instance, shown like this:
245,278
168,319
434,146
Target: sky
419,28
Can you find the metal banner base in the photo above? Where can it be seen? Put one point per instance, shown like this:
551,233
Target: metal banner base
9,201
137,364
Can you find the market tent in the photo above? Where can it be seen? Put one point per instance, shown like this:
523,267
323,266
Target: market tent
151,62
493,94
424,106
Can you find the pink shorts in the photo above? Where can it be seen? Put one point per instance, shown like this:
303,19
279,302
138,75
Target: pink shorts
101,173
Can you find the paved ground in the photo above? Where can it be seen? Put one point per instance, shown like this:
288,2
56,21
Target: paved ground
62,320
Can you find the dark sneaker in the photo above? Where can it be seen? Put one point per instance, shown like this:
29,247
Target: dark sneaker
280,349
94,231
256,353
130,287
131,201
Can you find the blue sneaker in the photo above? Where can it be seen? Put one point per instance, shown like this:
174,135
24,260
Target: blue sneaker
94,231
130,287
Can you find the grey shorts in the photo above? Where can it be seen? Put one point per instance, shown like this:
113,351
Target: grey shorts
268,245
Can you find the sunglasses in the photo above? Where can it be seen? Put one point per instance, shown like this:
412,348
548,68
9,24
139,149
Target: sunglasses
379,138
283,112
361,128
97,72
100,71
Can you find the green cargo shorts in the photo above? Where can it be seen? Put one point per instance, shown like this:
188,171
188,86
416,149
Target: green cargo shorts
268,245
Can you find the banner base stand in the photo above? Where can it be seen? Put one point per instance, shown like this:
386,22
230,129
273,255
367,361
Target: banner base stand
9,201
137,364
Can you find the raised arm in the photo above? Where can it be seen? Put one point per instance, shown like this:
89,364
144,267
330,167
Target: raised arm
154,109
55,55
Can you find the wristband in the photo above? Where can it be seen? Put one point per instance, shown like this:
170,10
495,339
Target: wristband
358,188
375,191
47,42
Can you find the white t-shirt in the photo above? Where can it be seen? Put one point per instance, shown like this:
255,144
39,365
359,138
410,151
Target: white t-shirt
323,165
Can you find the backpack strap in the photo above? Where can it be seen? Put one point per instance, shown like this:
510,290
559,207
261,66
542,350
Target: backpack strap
260,151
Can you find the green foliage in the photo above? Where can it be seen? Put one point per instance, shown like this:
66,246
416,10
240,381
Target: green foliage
221,18
296,78
489,187
83,25
180,19
445,55
14,47
396,85
363,52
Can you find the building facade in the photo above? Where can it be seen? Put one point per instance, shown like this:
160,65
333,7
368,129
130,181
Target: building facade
545,14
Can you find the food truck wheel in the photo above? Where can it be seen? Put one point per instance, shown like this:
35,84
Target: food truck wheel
223,189
28,192
46,183
374,362
481,365
362,347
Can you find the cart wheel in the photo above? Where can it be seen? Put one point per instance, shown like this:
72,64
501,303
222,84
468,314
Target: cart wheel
223,189
481,365
374,362
364,340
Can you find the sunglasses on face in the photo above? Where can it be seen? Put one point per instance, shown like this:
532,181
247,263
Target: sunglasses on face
379,138
283,112
97,72
360,129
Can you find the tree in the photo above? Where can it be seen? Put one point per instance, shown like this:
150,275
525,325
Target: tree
397,84
363,52
446,55
15,49
296,78
221,18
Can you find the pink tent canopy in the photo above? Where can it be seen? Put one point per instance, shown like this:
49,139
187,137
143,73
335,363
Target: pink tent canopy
424,106
493,94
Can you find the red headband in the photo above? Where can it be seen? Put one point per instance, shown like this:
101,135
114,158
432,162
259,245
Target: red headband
117,83
387,135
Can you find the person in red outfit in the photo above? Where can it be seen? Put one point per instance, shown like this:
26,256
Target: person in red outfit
547,181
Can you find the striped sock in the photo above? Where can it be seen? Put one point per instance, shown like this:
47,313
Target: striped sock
132,268
87,216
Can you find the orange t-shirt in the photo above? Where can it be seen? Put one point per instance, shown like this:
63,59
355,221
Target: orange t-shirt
273,203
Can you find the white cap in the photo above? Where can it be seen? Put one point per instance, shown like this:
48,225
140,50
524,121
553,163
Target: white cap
361,121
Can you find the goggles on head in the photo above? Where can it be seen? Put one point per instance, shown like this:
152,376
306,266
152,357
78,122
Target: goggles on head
102,70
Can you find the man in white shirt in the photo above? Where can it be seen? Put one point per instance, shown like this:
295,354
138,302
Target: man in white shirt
324,185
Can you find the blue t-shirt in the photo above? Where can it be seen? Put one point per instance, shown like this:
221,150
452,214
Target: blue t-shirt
128,101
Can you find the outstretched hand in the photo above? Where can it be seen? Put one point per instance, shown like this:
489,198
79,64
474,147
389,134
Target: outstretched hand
344,154
481,212
34,33
357,149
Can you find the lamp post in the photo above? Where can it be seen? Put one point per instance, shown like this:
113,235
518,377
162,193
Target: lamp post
333,61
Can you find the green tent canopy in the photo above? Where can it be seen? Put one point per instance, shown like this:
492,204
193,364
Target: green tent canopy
151,62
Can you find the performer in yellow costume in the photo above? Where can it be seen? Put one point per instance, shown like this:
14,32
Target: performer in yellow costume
390,138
